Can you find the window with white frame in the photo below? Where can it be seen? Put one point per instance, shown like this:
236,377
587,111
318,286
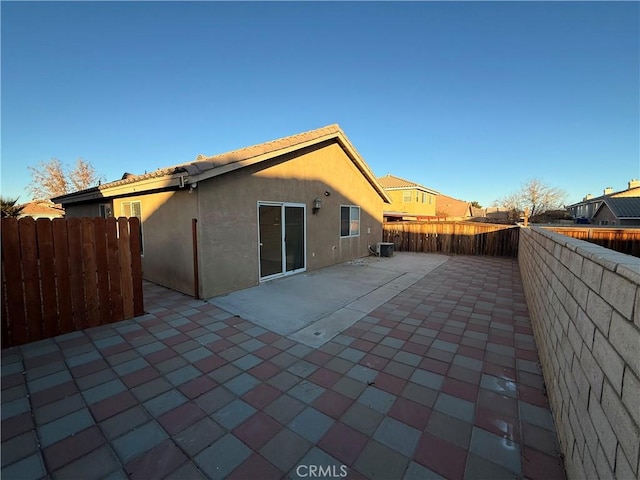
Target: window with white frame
133,209
406,196
349,221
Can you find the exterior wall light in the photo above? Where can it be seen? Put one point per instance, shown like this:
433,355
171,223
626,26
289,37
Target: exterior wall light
317,204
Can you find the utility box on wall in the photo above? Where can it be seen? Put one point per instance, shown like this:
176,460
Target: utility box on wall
384,249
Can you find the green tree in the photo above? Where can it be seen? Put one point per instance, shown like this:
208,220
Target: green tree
9,207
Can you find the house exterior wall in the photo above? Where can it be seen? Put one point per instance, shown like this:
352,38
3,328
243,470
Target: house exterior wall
630,192
82,210
167,240
605,215
228,226
416,206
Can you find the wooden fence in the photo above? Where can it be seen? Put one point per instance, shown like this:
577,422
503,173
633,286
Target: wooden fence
624,240
63,275
467,238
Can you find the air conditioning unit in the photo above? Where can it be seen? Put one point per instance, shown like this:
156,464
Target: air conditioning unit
384,249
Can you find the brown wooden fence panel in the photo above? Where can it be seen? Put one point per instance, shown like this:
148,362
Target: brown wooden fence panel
465,238
31,277
102,266
74,236
68,274
113,259
12,284
63,275
44,232
90,270
624,240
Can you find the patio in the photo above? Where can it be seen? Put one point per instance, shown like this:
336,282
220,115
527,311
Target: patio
441,380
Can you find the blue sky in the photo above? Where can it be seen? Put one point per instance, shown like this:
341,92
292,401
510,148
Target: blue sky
471,99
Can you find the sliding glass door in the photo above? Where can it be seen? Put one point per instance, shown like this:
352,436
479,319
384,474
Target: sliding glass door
281,238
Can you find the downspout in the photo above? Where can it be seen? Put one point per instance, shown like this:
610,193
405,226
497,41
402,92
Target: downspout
193,190
196,275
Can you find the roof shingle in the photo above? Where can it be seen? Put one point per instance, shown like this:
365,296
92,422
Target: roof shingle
624,207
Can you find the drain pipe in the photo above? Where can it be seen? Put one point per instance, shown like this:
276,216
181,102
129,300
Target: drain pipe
196,276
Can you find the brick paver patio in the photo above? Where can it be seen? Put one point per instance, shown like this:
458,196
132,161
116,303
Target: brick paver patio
441,381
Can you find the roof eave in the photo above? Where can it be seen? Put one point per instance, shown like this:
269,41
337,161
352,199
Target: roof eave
157,183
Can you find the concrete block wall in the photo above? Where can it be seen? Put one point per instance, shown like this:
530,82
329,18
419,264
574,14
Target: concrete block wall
584,303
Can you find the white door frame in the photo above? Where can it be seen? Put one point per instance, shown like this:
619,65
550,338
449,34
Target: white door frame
283,250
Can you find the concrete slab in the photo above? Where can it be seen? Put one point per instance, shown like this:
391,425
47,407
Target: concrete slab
314,307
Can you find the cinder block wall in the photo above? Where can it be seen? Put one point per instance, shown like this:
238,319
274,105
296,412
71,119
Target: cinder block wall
584,303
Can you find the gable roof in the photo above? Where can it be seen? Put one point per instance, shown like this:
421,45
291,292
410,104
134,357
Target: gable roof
204,167
622,207
41,208
391,182
452,207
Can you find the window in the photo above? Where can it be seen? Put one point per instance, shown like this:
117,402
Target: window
133,209
424,197
105,210
406,196
430,199
349,221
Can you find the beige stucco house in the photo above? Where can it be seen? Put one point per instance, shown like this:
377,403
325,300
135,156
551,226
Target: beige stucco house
230,221
409,200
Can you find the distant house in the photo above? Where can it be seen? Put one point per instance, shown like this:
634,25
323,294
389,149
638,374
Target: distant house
42,209
451,208
290,205
409,200
619,211
583,211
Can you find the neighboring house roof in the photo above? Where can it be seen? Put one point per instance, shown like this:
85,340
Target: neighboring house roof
633,192
391,182
205,167
452,207
41,209
622,207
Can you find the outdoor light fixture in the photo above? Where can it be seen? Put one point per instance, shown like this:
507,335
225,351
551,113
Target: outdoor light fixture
317,204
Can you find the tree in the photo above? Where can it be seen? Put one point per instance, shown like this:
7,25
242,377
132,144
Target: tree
475,204
83,176
534,196
9,207
53,178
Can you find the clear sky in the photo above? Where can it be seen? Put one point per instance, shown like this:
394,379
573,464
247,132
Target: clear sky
470,99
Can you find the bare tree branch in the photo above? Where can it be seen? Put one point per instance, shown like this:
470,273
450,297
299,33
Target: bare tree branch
53,178
48,179
535,195
83,176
